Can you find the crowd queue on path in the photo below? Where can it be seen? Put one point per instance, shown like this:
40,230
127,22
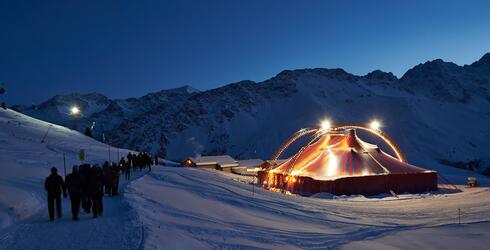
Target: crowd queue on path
87,184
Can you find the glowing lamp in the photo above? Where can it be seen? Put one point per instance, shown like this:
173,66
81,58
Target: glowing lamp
326,125
75,110
375,125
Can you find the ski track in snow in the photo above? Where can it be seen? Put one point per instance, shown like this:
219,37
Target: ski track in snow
117,228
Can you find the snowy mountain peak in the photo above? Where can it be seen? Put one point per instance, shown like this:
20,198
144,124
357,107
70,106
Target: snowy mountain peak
378,75
430,68
336,73
484,61
186,89
77,97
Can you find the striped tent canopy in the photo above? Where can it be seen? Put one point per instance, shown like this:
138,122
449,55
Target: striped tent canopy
343,154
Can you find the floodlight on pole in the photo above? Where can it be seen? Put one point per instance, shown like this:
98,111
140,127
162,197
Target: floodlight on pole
74,110
375,124
326,125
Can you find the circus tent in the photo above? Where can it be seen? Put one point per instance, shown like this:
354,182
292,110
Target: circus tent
342,164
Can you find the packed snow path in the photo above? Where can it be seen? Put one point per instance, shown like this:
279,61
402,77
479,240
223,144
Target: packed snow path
117,228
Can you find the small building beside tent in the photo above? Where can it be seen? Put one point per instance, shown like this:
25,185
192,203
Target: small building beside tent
248,167
219,162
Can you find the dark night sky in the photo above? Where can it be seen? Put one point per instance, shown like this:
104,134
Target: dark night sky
129,48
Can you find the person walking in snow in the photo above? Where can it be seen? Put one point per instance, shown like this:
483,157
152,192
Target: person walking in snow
130,158
107,175
74,186
156,159
127,171
96,184
54,185
124,166
85,173
116,169
139,161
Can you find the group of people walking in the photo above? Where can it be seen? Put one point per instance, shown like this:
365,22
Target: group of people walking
87,184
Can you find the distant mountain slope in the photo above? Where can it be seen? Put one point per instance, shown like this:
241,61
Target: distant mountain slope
438,112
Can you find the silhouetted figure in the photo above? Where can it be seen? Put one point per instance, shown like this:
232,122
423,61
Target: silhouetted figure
107,175
156,160
130,158
124,166
54,185
96,183
139,160
85,172
74,186
127,171
116,169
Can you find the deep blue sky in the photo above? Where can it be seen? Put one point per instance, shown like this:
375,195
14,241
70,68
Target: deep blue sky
129,48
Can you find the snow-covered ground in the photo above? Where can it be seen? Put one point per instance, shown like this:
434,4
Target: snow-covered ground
194,208
188,208
117,228
25,161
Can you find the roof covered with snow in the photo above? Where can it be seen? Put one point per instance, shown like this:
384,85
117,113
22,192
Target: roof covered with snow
221,160
250,163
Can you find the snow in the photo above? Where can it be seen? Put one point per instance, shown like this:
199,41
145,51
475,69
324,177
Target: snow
25,161
190,208
465,236
219,212
117,228
221,160
250,163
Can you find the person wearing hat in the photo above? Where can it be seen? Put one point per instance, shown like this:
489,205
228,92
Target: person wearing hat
54,185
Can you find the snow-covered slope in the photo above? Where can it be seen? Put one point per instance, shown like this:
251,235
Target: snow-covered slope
188,208
438,112
25,160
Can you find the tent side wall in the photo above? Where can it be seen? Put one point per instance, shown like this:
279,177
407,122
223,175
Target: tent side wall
356,185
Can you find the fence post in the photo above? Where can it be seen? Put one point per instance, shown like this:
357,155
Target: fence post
459,215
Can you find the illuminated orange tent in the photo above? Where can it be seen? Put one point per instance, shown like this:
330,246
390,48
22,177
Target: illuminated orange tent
342,164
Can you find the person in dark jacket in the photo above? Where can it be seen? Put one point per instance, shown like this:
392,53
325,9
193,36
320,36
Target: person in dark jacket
156,160
106,174
74,187
85,172
116,170
96,184
127,170
131,163
54,185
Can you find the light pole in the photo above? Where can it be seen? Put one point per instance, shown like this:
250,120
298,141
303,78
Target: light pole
74,112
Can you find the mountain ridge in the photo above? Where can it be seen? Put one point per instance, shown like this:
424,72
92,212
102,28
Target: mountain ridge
248,119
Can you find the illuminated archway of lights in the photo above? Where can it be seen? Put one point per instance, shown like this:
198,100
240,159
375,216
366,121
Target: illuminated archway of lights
320,131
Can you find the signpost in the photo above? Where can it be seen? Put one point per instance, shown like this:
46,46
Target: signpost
81,155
